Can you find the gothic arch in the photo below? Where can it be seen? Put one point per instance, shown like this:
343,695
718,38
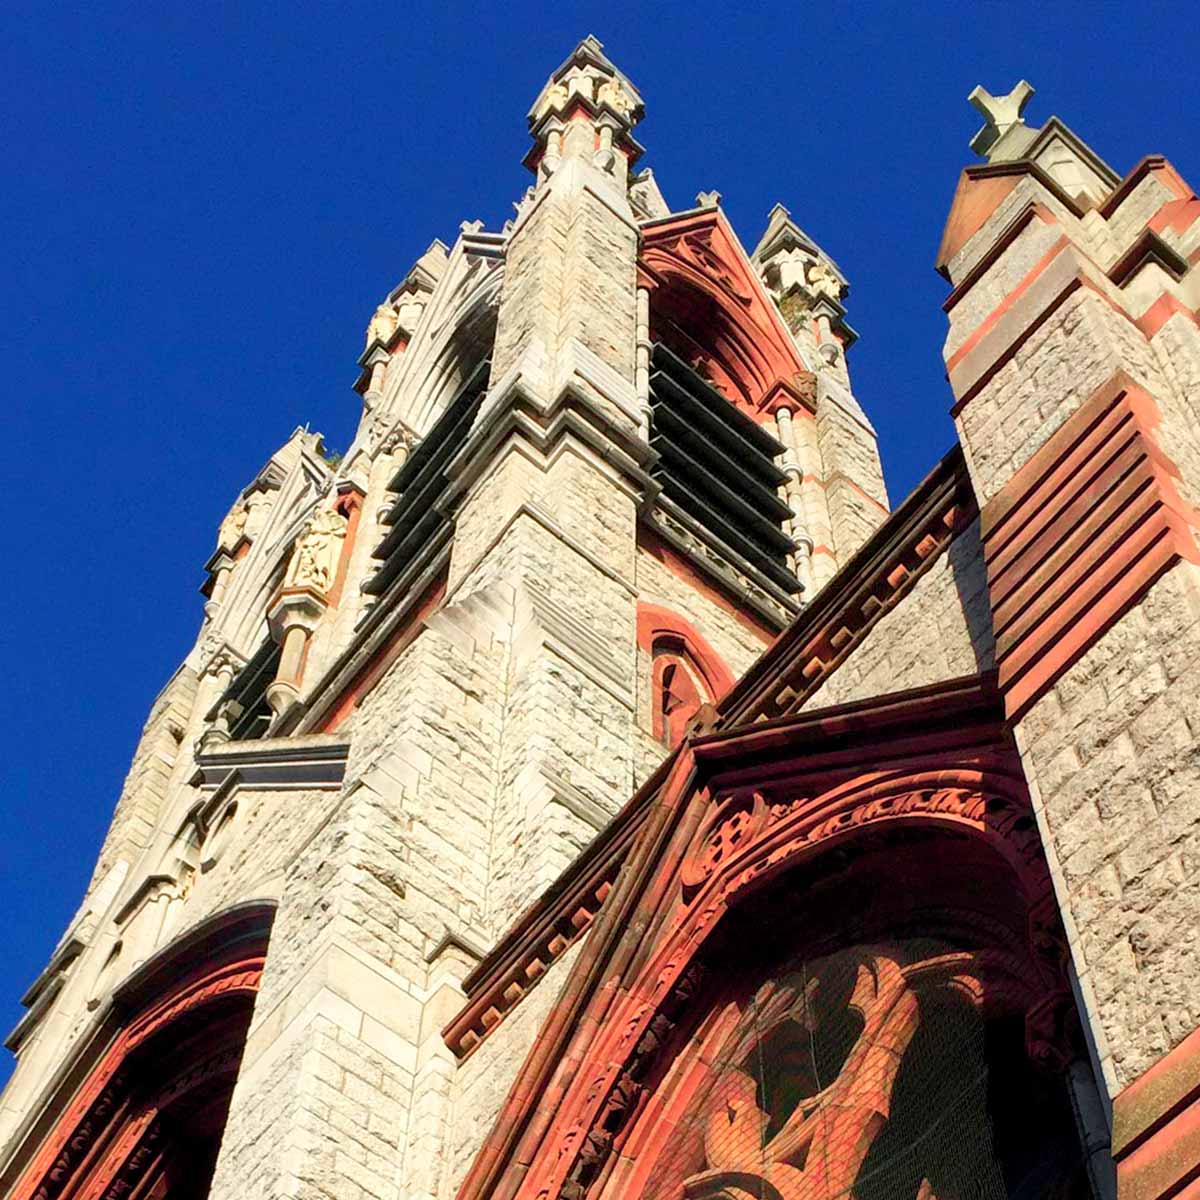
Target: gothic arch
685,671
927,778
142,1105
708,306
453,336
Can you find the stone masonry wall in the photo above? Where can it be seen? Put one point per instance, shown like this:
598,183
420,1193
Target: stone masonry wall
1111,752
482,1082
1109,747
941,630
268,832
136,815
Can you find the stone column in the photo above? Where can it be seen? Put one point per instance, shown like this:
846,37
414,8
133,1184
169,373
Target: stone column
642,379
377,362
798,527
222,570
218,675
293,617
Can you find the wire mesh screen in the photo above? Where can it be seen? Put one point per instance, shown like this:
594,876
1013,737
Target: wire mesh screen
869,1073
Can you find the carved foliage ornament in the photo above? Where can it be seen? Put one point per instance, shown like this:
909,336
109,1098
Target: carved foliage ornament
822,281
697,250
233,526
593,87
382,324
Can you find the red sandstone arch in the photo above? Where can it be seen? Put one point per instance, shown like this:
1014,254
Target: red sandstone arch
738,813
143,1117
710,308
686,671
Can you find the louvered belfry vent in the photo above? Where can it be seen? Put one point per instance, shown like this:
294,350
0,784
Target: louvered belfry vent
249,690
414,522
718,466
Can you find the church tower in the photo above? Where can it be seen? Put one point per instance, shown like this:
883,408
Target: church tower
606,455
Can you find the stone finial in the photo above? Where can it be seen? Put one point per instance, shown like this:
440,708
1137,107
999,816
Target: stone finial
587,109
708,199
1001,113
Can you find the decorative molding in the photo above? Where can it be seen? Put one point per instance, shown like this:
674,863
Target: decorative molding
523,955
1156,1126
1003,240
86,1104
1151,164
1148,248
1078,535
980,192
699,252
709,555
283,764
960,714
940,760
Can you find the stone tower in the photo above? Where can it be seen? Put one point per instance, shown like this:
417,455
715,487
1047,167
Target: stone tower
605,455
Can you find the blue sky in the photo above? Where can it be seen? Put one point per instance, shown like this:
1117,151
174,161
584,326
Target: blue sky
204,203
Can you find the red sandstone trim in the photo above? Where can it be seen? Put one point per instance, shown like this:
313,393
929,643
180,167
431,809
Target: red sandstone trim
880,574
1151,164
974,202
939,760
1077,536
698,252
1178,216
350,506
1156,1127
95,1133
1007,303
655,621
1161,311
1010,351
980,191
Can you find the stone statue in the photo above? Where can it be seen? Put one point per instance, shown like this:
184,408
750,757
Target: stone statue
823,282
233,526
383,324
315,557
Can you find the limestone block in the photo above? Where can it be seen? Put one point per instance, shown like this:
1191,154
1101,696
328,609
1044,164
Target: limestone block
940,630
1122,825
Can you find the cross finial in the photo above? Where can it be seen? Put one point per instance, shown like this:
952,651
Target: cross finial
1000,112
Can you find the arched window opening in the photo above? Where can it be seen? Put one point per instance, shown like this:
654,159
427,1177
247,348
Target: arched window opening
685,671
679,690
888,1056
873,1073
147,1119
